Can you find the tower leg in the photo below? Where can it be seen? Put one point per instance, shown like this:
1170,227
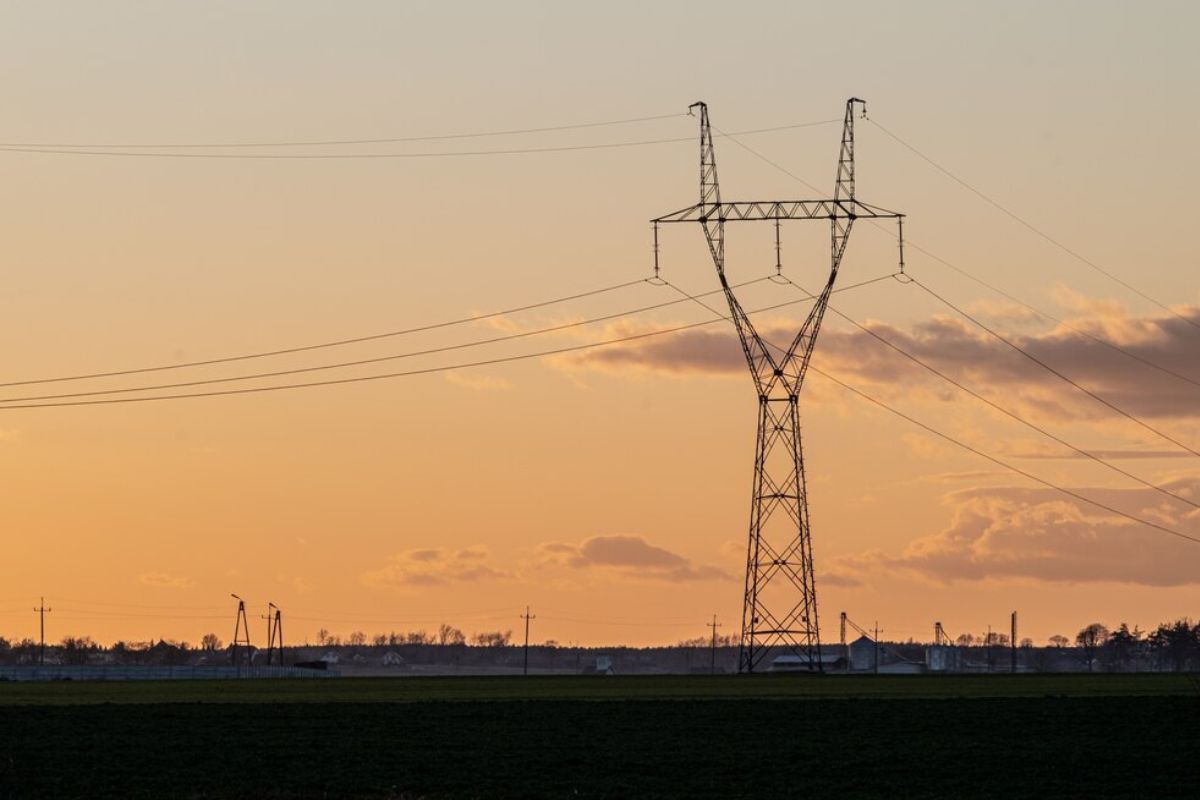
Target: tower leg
779,612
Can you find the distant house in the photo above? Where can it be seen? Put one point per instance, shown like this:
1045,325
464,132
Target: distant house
827,662
331,657
603,666
393,659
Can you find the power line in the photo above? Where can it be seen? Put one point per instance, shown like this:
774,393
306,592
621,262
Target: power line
622,624
1010,467
1057,320
335,343
1033,228
1052,370
87,614
970,448
980,281
330,142
1006,341
960,386
358,362
408,373
992,404
406,155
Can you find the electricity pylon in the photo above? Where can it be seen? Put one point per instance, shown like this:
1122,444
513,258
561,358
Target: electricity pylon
779,612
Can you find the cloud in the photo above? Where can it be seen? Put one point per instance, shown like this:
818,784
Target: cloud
164,581
708,352
964,352
992,368
630,556
434,567
1038,534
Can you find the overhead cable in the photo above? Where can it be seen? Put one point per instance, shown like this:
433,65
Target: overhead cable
409,373
404,155
1051,318
338,142
336,343
363,361
1033,228
916,246
970,448
1061,376
996,406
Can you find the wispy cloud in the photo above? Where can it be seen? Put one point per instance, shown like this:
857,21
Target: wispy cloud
434,567
630,556
163,580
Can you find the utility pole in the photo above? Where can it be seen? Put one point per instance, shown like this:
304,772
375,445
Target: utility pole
1013,642
279,634
527,616
876,647
989,648
42,611
713,664
779,608
270,618
843,637
274,631
241,630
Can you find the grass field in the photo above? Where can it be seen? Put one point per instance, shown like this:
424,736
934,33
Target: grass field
968,736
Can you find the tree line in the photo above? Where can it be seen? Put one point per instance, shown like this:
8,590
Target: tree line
1172,646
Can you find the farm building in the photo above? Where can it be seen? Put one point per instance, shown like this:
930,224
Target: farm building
829,662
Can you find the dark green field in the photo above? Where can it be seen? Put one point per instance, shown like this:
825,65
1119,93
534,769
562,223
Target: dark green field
985,736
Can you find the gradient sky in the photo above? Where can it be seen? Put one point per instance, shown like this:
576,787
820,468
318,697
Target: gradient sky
609,490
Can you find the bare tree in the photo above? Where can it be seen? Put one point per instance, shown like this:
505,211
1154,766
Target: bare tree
357,639
492,638
210,642
1059,641
77,650
450,635
1091,639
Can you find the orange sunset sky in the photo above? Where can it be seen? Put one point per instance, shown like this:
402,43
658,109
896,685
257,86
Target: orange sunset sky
607,488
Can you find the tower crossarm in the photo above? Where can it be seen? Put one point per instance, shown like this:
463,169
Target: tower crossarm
759,210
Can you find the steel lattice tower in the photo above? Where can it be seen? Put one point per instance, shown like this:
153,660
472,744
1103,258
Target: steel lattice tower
779,612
